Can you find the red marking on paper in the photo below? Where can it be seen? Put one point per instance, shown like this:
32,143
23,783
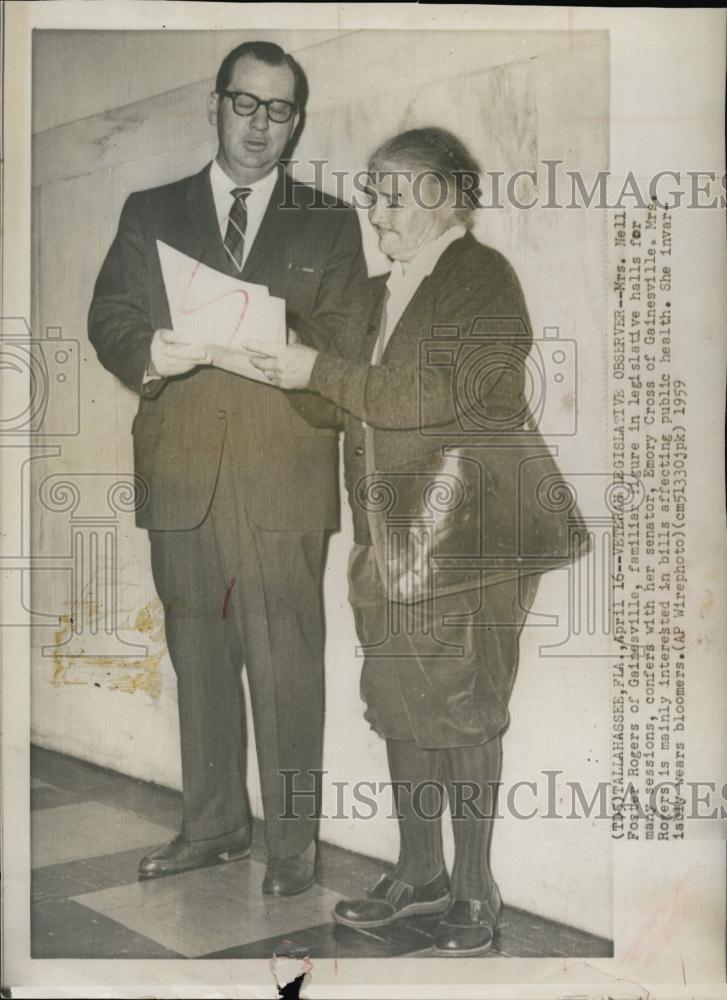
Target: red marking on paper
191,310
669,916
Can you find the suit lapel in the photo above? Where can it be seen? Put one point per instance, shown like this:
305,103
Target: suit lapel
205,232
274,238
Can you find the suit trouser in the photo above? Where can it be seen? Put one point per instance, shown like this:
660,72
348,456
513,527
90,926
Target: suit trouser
234,593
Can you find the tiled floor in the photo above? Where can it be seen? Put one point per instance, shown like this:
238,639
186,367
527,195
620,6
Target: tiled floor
90,827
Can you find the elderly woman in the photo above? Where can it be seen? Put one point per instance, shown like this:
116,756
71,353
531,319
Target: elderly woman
452,492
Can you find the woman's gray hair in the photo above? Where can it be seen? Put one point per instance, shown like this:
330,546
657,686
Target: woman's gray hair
442,154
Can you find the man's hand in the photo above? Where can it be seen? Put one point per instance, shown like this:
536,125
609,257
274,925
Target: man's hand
170,355
288,367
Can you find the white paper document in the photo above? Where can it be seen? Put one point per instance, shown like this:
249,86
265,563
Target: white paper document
217,312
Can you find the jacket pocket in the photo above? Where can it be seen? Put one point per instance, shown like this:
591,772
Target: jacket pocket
302,282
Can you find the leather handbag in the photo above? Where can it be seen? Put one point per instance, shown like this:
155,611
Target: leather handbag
470,515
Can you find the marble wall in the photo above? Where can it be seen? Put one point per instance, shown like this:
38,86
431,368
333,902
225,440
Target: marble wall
104,689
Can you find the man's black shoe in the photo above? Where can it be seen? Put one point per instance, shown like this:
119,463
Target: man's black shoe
391,899
182,855
468,926
289,876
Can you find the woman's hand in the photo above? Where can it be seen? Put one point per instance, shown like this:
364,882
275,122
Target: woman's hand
288,366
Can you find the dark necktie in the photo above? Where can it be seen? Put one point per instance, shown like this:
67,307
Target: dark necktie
236,226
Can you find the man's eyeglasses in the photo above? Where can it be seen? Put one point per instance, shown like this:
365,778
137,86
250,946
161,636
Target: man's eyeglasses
246,105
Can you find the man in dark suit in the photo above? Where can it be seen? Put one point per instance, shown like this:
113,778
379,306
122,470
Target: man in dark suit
237,488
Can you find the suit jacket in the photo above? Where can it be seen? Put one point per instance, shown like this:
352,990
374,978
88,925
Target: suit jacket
445,470
307,251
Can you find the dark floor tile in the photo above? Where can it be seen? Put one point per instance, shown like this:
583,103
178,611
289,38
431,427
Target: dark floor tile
330,940
153,803
71,878
401,938
525,935
66,880
66,772
65,929
519,935
321,941
347,873
49,798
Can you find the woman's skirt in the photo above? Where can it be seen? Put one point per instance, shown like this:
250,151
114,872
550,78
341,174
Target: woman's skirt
439,672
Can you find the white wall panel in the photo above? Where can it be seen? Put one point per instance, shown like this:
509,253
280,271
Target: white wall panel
105,70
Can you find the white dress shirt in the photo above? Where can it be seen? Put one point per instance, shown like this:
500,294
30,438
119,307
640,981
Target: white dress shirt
406,277
256,203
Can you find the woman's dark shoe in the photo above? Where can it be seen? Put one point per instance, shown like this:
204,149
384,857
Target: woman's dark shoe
390,899
468,926
182,855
